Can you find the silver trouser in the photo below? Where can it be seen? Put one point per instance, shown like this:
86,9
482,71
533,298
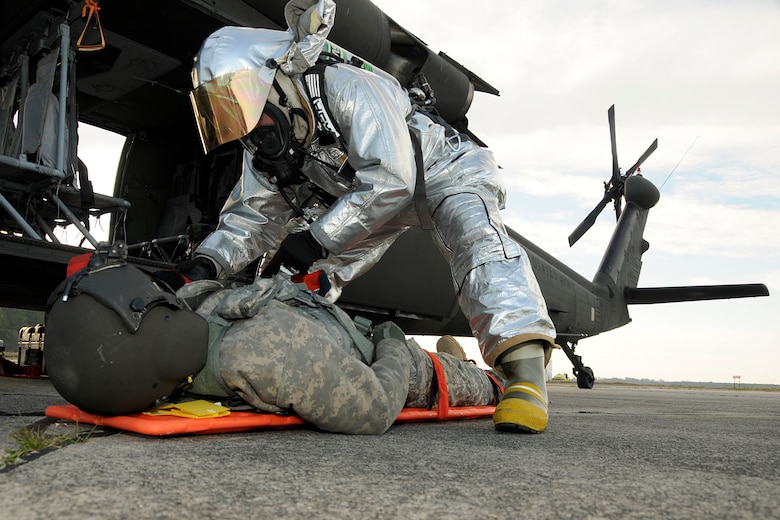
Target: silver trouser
498,291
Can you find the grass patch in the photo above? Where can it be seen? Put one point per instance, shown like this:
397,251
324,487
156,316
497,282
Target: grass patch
30,440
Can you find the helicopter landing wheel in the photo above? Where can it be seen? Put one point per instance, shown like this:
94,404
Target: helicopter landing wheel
585,378
584,375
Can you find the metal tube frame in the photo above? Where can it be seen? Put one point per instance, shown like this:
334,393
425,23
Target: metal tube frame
56,174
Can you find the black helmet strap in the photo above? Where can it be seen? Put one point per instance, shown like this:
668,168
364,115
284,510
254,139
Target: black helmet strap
126,290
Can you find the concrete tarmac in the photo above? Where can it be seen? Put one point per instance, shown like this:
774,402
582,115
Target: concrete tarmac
616,451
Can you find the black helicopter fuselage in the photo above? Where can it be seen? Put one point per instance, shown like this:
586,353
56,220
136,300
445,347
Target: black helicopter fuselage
136,84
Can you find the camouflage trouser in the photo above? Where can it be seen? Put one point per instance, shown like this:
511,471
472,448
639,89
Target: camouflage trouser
467,384
300,359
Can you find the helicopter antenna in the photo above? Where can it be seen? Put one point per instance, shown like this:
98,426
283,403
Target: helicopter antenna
614,188
678,163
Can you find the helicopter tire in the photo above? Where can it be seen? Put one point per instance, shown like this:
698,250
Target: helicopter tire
585,378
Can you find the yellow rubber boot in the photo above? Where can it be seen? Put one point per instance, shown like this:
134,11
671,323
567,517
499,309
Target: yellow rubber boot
523,408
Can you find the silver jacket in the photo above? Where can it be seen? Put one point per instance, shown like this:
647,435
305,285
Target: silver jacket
497,288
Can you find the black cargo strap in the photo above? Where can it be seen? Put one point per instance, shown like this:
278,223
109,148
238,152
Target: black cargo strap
314,81
420,198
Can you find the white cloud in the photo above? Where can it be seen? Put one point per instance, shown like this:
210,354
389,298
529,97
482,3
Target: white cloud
692,72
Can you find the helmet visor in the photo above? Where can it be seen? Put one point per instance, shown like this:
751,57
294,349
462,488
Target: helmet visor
228,107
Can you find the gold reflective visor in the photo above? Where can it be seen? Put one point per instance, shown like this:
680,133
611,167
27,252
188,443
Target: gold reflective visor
228,107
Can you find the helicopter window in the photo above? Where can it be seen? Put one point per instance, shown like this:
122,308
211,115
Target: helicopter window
99,150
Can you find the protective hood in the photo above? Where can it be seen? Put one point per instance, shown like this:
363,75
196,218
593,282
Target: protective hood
234,70
310,22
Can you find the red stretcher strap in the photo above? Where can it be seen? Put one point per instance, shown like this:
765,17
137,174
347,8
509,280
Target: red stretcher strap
443,403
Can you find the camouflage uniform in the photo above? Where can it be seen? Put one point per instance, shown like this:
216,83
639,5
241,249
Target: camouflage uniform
283,351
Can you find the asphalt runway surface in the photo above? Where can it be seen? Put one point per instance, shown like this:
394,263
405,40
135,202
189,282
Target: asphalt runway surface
616,451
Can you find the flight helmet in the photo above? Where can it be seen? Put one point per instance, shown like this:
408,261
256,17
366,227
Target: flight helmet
118,341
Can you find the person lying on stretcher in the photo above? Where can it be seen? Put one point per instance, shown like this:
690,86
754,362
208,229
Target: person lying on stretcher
119,341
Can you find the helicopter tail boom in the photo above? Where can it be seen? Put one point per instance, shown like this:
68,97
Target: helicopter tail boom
622,261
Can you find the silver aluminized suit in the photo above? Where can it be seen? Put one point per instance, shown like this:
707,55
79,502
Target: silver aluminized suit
284,351
496,286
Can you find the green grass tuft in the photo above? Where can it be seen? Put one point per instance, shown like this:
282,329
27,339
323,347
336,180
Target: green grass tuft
31,440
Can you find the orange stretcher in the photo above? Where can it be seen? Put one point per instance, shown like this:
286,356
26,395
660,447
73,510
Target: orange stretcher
166,425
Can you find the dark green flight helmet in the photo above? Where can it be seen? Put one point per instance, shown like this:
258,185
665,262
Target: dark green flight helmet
118,341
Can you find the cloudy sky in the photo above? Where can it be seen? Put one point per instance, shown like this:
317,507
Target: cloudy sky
702,76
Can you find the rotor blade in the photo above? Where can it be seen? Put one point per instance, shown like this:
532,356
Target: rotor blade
618,207
589,220
613,142
645,155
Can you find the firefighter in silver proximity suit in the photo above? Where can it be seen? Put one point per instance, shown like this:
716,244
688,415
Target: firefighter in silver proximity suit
349,136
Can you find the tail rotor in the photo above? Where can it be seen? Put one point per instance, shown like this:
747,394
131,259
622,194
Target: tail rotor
615,187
